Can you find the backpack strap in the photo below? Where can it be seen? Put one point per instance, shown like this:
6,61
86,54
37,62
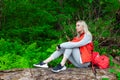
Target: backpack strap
94,71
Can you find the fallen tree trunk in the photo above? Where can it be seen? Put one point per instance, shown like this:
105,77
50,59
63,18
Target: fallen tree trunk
46,74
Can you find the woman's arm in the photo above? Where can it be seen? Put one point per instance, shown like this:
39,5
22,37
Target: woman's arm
86,39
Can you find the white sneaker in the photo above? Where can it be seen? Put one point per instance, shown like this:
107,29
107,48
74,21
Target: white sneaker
41,65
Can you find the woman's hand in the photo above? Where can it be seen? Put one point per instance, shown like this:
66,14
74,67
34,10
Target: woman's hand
58,47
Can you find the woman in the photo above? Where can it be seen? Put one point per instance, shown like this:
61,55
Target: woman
78,51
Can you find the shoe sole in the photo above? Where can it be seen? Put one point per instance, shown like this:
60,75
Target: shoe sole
40,66
58,70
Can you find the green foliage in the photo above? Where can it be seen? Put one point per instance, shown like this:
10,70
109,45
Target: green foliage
101,50
101,27
38,19
118,75
9,60
116,69
111,62
105,78
116,72
15,55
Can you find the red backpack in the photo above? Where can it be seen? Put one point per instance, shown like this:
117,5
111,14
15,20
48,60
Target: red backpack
101,61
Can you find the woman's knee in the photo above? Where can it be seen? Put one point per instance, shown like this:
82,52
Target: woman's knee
76,49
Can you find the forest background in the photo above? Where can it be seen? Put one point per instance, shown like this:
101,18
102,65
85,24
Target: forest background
31,29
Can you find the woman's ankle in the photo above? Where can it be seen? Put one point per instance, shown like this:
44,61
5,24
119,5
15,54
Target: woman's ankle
45,62
48,60
62,64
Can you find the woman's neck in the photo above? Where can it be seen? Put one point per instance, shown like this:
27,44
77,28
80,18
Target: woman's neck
81,32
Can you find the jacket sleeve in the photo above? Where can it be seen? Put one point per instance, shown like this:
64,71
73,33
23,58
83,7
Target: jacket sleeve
86,39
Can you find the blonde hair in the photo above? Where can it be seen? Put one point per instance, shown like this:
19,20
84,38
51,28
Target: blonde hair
85,27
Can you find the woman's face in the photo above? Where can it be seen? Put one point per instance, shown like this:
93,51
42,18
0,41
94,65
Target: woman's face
79,28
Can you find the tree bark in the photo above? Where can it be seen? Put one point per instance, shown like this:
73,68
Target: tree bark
47,74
